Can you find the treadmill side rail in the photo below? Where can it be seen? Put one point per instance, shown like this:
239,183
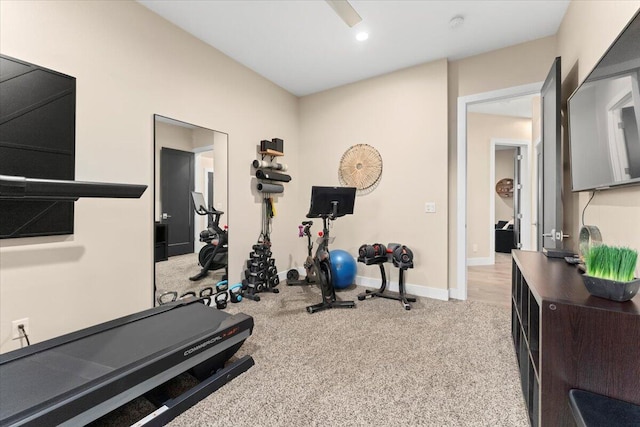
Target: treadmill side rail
175,407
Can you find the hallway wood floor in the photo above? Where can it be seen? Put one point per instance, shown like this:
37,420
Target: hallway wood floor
491,284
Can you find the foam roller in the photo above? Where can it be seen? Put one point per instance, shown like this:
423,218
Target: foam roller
270,165
270,188
273,176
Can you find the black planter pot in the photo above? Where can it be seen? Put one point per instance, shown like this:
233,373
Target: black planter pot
611,289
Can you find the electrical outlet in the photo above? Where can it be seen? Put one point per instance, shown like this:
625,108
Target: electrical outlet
430,207
17,333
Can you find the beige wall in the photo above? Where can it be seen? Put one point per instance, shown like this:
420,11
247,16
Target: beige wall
129,64
404,116
586,32
512,66
481,128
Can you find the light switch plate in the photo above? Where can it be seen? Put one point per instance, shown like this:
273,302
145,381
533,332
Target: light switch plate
430,207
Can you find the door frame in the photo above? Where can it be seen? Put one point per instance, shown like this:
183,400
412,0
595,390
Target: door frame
525,199
460,291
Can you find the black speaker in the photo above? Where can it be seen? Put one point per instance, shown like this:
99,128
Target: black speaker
278,144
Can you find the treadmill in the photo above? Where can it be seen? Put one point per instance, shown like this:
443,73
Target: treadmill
78,377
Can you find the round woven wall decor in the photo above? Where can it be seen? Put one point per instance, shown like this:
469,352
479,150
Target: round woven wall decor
360,167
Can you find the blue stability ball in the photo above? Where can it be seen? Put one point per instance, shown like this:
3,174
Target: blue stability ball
343,268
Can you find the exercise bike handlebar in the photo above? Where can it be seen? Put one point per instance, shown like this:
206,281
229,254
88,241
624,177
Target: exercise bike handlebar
202,210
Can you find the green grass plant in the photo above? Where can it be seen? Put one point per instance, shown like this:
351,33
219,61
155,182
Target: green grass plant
611,262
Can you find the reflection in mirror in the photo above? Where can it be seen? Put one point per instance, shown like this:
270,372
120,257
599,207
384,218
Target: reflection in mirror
190,209
604,114
604,125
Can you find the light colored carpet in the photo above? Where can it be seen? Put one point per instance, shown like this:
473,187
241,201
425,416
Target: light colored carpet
173,275
440,364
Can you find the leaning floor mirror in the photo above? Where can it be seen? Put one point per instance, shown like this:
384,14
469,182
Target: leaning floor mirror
190,214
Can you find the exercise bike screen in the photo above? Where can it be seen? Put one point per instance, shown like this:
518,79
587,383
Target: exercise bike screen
322,199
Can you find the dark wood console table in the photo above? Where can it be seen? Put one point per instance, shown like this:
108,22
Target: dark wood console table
566,339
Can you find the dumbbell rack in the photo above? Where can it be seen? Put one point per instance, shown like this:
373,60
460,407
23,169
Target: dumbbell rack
402,266
261,274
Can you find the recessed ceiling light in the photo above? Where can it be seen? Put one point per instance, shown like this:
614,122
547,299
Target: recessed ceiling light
362,36
456,21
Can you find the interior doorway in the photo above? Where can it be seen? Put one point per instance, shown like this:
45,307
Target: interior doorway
475,104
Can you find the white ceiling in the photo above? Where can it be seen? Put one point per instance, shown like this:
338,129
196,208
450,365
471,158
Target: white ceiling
304,47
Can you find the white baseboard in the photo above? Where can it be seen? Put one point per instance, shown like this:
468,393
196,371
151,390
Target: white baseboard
374,283
479,261
411,289
454,293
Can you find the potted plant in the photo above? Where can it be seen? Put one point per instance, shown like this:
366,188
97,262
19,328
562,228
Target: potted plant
610,272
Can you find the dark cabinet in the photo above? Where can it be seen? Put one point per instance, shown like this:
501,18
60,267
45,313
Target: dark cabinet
566,339
161,239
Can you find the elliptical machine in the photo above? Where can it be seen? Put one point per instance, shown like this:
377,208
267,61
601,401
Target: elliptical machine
293,277
212,256
328,203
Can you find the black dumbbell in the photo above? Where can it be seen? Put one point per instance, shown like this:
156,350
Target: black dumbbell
256,263
379,249
364,250
402,254
260,275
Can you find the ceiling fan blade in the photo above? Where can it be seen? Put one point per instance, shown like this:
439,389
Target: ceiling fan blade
345,11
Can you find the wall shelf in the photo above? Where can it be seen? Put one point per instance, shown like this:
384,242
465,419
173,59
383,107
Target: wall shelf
271,153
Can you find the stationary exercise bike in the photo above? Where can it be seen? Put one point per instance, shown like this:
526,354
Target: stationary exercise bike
328,203
212,256
293,277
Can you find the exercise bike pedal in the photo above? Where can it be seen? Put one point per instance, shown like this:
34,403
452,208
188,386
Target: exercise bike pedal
361,297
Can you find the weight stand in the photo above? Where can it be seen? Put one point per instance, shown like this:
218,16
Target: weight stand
402,297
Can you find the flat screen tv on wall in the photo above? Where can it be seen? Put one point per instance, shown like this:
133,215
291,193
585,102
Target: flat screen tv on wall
37,140
604,118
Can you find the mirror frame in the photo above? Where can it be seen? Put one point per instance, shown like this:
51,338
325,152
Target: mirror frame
156,190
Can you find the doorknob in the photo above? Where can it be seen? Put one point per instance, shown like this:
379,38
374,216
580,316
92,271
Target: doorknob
556,235
165,215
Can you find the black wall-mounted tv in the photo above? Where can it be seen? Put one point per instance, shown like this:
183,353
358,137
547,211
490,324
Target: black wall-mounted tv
37,140
604,118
